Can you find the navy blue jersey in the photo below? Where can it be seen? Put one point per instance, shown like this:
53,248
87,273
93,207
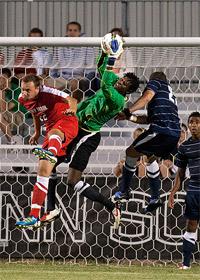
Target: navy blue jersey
162,110
189,155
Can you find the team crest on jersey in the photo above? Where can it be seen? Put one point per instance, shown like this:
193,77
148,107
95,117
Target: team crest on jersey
40,109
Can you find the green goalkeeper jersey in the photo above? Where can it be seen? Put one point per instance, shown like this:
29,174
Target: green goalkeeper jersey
98,109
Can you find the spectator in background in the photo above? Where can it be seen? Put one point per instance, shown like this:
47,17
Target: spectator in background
32,60
74,64
4,124
141,169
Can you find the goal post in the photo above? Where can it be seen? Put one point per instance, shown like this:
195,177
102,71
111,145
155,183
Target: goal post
85,230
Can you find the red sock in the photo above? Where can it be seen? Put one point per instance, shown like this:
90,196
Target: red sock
39,195
55,144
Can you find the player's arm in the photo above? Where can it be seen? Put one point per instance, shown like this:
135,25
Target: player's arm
34,138
102,63
72,106
180,176
139,104
142,101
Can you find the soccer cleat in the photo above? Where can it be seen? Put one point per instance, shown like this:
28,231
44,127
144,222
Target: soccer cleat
183,267
50,216
153,205
121,197
44,154
29,222
116,212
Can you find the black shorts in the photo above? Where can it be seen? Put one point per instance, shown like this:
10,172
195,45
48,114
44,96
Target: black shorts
192,205
82,155
84,144
152,143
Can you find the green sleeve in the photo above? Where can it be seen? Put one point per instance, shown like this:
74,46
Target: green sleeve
102,63
107,84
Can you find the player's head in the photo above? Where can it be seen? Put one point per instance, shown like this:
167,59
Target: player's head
35,32
158,76
30,87
127,84
118,31
194,124
73,29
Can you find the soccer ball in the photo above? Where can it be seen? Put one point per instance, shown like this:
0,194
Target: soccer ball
112,44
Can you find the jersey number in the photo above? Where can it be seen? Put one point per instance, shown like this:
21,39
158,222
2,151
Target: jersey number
172,98
43,117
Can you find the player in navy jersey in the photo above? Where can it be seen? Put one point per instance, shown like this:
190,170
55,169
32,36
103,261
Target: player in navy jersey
158,141
189,156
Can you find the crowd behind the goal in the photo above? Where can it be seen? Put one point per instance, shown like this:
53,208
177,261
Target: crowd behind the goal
93,102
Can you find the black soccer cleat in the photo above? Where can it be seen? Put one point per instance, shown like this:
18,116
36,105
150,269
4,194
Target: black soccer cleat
153,205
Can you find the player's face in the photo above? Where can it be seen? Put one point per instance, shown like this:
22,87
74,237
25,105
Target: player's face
194,127
29,91
123,84
73,30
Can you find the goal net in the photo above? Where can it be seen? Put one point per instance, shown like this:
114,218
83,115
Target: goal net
85,230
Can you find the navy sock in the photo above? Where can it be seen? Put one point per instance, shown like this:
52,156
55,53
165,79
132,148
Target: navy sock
125,182
153,173
188,249
154,184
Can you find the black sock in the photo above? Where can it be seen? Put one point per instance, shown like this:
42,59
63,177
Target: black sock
188,248
51,195
94,195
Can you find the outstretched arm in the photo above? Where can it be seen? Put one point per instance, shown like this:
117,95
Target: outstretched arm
180,175
34,138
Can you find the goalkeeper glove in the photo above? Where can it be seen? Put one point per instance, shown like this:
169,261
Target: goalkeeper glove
129,116
112,45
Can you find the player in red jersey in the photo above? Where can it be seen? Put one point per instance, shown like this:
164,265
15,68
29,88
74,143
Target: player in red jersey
57,109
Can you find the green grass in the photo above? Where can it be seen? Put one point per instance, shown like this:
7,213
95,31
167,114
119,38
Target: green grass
48,271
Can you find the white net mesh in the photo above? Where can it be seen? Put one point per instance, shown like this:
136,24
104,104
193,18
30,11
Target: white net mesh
85,229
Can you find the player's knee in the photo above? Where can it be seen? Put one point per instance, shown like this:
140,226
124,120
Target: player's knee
153,169
129,151
81,186
190,236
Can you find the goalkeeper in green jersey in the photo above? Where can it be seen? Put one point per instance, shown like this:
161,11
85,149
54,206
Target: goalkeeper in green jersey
93,113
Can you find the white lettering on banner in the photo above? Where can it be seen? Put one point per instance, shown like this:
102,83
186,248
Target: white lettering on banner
144,225
12,209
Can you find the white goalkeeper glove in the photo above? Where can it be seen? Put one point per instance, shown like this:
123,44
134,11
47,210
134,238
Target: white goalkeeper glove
112,45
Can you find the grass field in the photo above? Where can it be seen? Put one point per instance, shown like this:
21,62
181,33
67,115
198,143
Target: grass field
47,271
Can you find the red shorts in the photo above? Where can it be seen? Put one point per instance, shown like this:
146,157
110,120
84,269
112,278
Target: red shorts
69,126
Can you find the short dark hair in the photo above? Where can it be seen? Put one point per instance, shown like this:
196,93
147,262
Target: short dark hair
184,126
6,71
194,114
118,30
36,30
32,78
158,76
134,82
76,23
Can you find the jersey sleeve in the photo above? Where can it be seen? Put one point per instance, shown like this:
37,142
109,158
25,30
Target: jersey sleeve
107,84
180,159
153,85
102,61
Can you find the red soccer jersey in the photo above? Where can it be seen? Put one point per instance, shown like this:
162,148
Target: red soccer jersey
49,105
